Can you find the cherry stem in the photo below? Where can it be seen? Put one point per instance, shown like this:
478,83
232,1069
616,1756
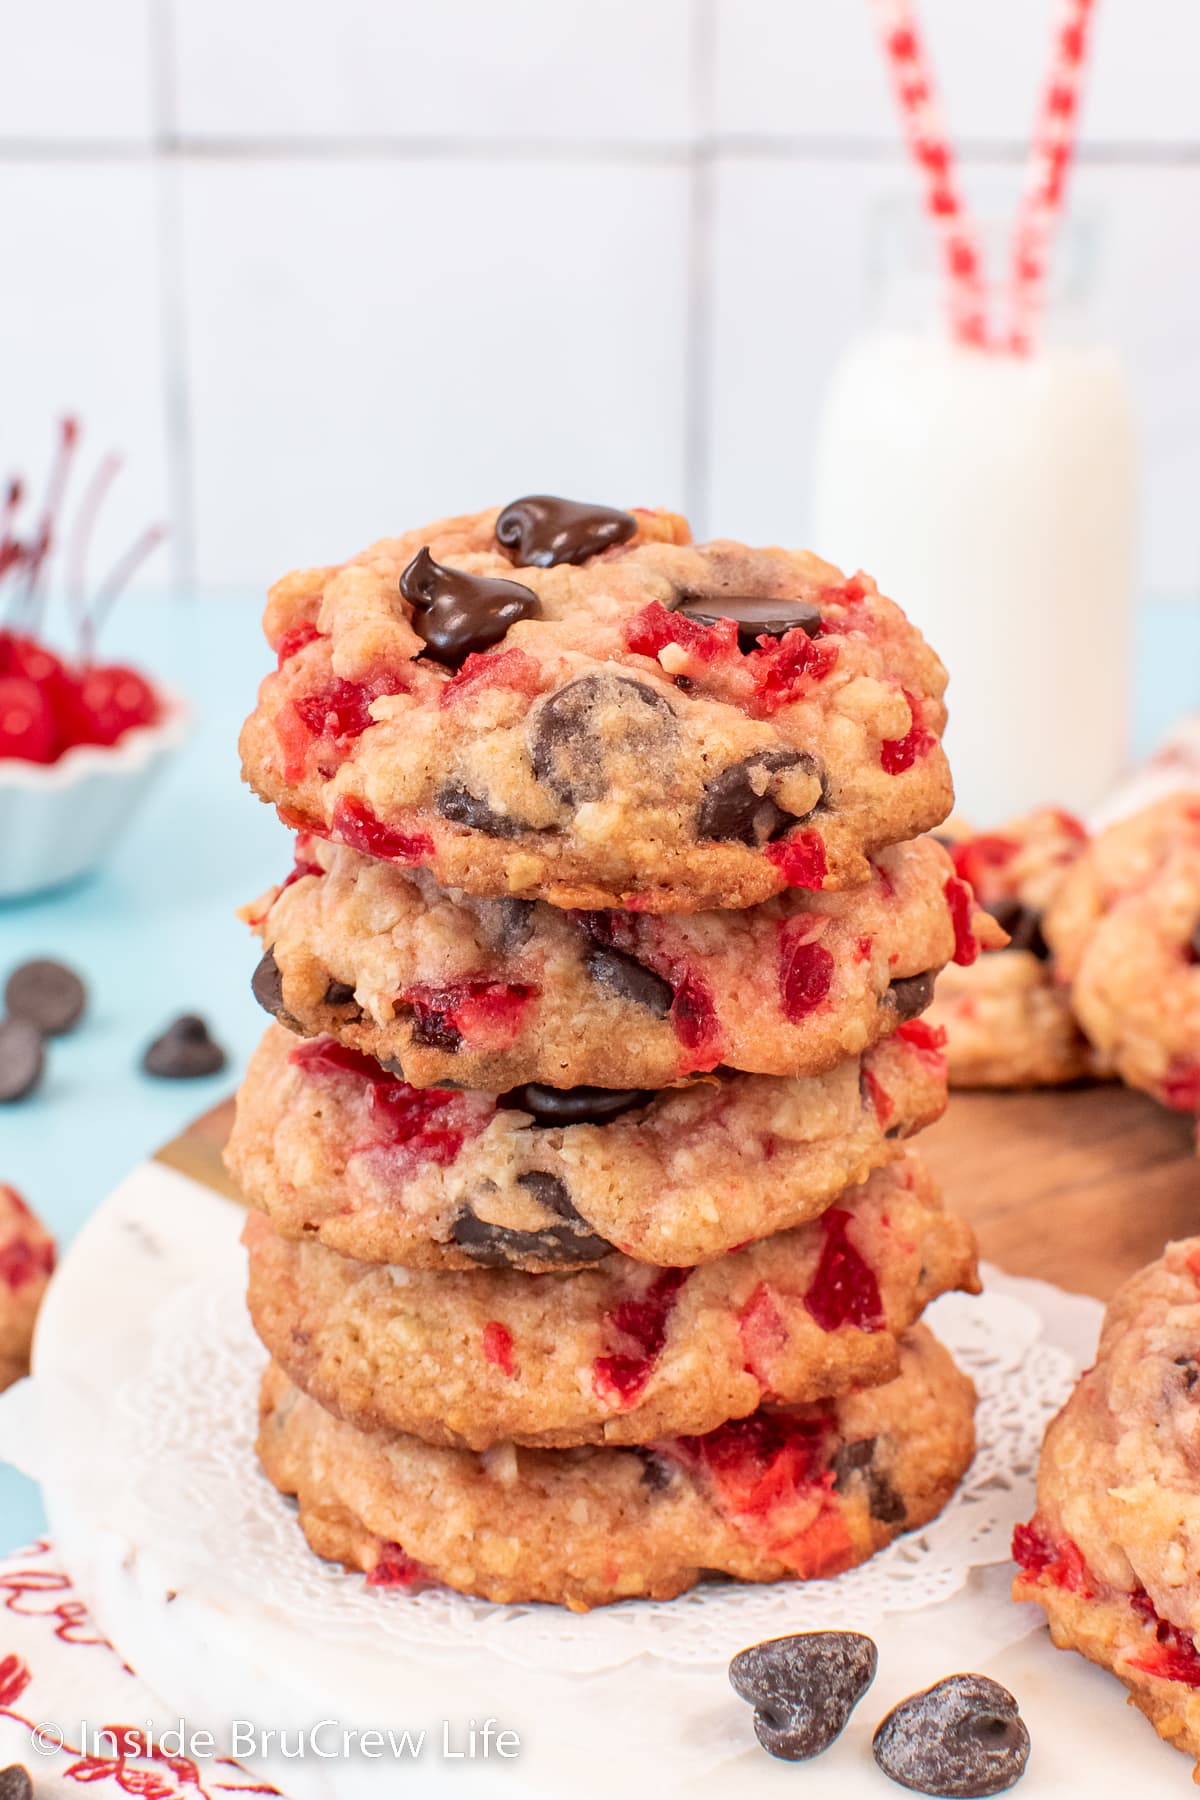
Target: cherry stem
118,577
78,545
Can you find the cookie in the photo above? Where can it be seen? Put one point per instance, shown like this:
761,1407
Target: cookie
1125,931
652,724
26,1265
1007,1017
1113,1552
494,993
790,1494
621,1353
333,1147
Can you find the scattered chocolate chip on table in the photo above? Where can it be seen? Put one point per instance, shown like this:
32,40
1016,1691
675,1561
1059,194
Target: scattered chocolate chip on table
185,1051
804,1688
47,994
22,1059
960,1738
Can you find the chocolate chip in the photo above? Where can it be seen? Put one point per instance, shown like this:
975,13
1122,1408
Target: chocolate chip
739,804
266,984
565,1245
184,1051
552,1106
804,1688
848,1459
48,994
1193,946
1191,1371
629,979
583,734
338,993
910,995
1023,925
434,1031
858,1460
658,1472
544,530
15,1783
754,615
458,804
509,924
883,1502
22,1059
960,1738
458,614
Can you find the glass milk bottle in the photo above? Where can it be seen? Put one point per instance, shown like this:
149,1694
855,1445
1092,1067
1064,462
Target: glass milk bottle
993,496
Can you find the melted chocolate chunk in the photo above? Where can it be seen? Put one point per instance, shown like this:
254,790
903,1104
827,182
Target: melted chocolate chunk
1191,1371
509,924
462,807
458,614
960,1738
566,1244
629,979
266,984
48,994
338,993
849,1458
433,1031
15,1783
559,1107
1023,925
738,804
754,615
185,1051
804,1688
543,530
883,1502
582,734
658,1472
22,1059
911,994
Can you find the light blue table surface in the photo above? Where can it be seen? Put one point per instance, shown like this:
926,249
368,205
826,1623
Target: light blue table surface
155,933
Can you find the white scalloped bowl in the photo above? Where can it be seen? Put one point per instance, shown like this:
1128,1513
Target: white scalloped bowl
59,820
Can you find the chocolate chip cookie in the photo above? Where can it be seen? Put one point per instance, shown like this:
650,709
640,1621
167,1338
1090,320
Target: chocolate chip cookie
621,1353
494,993
541,702
794,1493
26,1265
1007,1017
332,1146
1112,1554
1125,930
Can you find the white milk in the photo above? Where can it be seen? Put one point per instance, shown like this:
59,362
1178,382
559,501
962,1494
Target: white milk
993,497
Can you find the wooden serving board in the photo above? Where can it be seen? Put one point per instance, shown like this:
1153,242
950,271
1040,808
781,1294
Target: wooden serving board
1079,1186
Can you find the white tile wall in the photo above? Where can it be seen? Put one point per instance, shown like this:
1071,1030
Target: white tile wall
324,267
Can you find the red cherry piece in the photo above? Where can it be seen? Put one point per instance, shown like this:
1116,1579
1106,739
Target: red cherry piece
354,824
844,1289
655,627
806,971
395,1568
1060,1564
800,859
881,1101
293,641
783,668
1181,1086
28,732
927,1040
898,754
961,903
620,1377
502,669
694,1016
426,1120
485,1014
764,1333
1173,1655
498,1347
22,1263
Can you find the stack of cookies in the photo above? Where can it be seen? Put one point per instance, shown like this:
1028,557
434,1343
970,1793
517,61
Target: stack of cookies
585,1244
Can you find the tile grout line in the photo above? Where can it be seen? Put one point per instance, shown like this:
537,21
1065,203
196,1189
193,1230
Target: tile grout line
171,306
698,332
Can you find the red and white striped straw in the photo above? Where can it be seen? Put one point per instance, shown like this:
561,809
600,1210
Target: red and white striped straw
1050,157
912,78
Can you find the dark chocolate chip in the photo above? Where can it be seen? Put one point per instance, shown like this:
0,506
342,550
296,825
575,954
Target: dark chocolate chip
15,1783
266,984
580,732
804,1688
458,614
738,803
48,994
544,530
338,993
629,979
961,1738
1191,1371
1023,925
510,923
754,615
22,1059
458,804
911,994
184,1051
849,1458
552,1106
658,1472
567,1244
434,1031
883,1502
1193,946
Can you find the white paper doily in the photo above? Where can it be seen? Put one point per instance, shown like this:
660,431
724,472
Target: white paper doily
183,1430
